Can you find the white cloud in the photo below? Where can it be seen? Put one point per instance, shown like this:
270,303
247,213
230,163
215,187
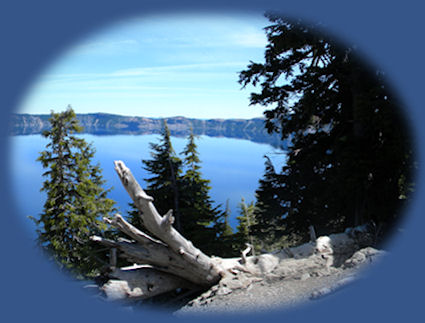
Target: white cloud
139,71
105,47
250,39
176,62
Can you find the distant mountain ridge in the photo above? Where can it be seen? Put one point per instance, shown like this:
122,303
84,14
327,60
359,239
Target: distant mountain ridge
111,124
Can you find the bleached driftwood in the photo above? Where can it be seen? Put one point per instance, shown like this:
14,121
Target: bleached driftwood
202,269
141,282
172,259
168,261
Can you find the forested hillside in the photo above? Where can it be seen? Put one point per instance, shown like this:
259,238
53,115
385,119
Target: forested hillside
111,124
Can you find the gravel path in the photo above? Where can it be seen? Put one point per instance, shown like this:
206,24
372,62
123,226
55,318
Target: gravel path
272,294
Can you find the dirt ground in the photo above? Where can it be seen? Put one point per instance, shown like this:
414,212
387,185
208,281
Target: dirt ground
272,294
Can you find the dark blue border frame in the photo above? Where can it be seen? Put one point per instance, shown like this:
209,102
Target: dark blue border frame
33,33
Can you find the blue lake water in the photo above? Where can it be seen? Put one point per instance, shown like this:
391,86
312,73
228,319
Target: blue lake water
233,166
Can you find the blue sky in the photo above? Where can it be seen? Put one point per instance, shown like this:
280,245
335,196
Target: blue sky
159,66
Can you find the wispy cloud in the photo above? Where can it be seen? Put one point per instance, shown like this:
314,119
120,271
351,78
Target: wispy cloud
250,39
201,67
105,47
177,63
199,70
211,39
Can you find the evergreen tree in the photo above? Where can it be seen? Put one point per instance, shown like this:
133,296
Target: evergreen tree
187,193
133,216
269,210
76,200
350,151
164,184
246,220
198,214
226,243
227,230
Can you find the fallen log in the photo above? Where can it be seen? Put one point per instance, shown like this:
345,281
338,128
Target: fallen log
167,261
164,249
141,282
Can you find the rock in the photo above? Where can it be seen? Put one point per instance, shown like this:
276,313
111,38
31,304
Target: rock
119,289
303,251
267,263
363,256
224,291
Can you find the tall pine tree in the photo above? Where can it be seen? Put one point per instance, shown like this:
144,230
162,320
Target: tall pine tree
350,150
164,184
226,245
76,199
227,230
246,220
268,228
199,216
178,184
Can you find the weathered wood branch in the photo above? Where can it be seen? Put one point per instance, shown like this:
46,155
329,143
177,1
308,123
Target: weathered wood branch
204,270
141,282
156,255
125,227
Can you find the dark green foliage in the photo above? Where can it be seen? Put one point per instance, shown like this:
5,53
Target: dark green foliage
164,184
246,220
350,156
178,184
198,214
269,208
227,229
75,200
134,216
225,244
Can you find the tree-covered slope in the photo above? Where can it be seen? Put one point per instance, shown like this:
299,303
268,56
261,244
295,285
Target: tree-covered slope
110,124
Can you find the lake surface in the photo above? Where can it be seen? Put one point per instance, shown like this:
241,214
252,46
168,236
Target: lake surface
233,166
